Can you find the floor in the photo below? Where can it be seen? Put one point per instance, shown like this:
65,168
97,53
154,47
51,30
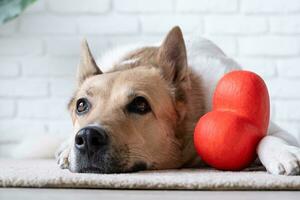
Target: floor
91,194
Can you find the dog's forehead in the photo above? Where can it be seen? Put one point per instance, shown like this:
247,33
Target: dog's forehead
124,81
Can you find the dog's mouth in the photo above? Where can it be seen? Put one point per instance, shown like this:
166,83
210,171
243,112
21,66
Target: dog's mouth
136,167
106,168
108,161
105,160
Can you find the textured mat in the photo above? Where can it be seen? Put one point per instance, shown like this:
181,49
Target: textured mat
45,173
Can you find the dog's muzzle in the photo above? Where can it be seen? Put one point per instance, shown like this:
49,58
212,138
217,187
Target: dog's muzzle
93,152
91,139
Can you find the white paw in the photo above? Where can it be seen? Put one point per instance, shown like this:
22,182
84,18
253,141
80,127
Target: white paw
62,158
284,160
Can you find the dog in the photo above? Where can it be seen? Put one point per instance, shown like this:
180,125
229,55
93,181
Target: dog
140,112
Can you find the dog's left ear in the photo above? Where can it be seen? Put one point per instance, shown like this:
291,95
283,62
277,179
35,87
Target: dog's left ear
173,60
87,66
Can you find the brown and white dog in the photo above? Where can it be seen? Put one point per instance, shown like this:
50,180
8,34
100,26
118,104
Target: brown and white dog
141,111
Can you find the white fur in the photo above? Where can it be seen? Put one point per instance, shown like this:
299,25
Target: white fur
210,63
37,147
114,55
130,61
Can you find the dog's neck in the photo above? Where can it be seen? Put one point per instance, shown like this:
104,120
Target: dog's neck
195,109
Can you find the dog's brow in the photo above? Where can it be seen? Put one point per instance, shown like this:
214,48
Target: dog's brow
89,92
131,94
71,102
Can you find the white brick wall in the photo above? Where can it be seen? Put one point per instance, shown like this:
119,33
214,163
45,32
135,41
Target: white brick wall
39,51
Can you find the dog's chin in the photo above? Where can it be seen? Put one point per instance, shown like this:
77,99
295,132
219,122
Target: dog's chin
100,167
104,163
136,167
111,166
93,170
79,168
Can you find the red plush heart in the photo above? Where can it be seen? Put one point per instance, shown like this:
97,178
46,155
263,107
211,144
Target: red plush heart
226,138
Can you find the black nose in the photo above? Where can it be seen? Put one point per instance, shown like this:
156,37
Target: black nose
91,139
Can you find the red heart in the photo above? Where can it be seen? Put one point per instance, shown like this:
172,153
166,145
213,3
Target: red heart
226,138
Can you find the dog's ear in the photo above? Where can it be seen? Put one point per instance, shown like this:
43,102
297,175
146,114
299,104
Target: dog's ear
87,66
172,58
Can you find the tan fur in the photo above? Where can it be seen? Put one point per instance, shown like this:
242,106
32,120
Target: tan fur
163,138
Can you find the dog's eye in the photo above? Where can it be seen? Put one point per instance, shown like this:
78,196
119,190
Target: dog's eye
139,105
82,106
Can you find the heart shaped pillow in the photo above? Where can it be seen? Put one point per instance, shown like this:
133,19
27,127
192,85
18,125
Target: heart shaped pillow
227,137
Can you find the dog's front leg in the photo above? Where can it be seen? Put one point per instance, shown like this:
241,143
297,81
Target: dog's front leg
62,155
279,152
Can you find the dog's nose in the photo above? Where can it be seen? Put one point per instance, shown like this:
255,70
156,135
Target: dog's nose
91,139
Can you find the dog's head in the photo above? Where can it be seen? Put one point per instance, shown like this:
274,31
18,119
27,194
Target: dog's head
133,117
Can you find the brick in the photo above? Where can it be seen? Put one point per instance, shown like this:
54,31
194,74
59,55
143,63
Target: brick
7,108
63,46
98,45
269,46
163,23
285,25
235,25
62,87
20,47
9,68
286,110
291,127
270,6
227,44
284,89
79,6
264,67
18,129
23,88
61,128
9,27
116,41
50,66
47,24
214,6
133,6
42,109
38,6
107,24
71,46
289,68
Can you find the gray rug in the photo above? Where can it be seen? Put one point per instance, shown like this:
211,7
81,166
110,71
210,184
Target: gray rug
45,173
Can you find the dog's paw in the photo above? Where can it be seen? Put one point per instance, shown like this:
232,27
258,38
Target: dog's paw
62,158
285,161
